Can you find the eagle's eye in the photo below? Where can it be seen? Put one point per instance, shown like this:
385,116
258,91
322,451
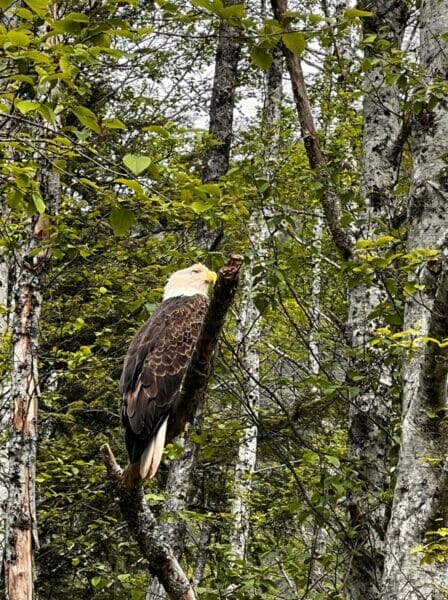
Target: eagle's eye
195,270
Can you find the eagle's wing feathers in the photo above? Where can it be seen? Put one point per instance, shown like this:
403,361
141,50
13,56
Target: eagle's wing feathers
154,368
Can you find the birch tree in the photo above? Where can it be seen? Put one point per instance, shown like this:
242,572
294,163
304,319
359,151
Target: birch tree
249,326
419,509
28,265
371,408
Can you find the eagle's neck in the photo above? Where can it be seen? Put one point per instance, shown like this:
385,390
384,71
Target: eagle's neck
181,291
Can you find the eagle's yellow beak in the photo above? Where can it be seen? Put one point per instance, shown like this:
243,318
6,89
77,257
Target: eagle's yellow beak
210,277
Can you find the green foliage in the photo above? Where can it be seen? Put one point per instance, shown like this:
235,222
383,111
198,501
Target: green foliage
83,97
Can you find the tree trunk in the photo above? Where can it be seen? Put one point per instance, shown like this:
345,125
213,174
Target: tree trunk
370,409
9,20
201,555
178,489
5,307
222,105
215,165
249,326
421,493
27,286
21,536
315,155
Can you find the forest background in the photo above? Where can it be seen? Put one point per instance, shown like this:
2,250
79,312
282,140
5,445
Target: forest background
139,137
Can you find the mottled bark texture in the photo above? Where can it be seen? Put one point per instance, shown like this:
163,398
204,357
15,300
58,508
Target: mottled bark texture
249,327
8,20
421,492
316,158
26,281
222,105
156,542
370,410
179,489
5,307
147,533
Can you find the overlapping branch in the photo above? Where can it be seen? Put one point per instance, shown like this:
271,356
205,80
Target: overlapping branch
147,532
316,158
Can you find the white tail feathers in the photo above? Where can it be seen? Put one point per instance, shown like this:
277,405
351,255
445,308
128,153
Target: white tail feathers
151,457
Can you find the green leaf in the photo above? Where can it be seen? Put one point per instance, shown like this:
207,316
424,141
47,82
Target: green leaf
136,163
294,41
39,7
98,581
121,220
19,37
158,129
113,124
25,106
87,118
235,10
77,17
38,202
334,460
131,183
4,4
261,58
209,188
14,198
353,13
199,207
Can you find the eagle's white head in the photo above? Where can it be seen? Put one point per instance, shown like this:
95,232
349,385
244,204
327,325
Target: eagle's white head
189,282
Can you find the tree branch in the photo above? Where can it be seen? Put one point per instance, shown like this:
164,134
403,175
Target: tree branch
316,158
196,378
148,534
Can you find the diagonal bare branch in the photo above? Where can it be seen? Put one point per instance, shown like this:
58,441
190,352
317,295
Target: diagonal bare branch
316,158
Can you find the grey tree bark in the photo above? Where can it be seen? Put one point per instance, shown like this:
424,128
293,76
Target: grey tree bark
9,20
421,493
217,156
249,326
5,307
215,165
27,283
370,409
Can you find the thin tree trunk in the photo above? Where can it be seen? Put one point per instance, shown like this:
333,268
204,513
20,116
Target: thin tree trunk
421,492
201,554
5,307
215,165
249,327
179,487
317,534
27,287
316,158
9,20
222,105
21,530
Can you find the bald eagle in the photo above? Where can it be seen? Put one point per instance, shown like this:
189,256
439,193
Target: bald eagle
155,365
